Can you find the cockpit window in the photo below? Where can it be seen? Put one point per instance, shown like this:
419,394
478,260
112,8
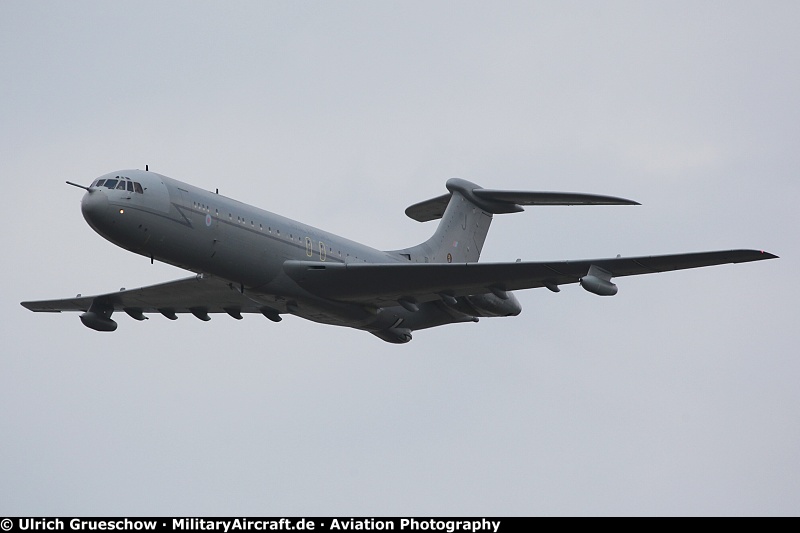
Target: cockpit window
120,184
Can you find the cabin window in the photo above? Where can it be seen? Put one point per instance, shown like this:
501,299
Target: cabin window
130,186
99,183
138,187
111,183
121,185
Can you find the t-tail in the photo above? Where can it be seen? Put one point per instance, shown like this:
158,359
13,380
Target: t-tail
466,213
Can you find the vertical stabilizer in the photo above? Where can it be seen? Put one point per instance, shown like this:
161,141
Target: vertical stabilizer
467,212
462,231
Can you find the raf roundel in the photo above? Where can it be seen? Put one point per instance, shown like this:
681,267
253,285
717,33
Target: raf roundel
208,220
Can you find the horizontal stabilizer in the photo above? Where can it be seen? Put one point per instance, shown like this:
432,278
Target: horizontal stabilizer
550,198
497,202
432,209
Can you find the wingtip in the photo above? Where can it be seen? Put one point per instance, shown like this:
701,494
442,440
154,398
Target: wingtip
757,255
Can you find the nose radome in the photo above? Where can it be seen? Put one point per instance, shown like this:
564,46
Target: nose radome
94,207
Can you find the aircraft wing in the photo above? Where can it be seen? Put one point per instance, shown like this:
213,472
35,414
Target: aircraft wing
382,284
200,292
386,284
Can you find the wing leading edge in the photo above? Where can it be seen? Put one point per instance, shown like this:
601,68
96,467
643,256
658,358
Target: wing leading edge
386,284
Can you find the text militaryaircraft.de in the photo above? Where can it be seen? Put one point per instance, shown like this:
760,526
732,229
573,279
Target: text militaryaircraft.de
248,260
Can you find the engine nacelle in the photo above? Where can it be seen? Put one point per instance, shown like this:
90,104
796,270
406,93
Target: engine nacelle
598,286
98,322
491,305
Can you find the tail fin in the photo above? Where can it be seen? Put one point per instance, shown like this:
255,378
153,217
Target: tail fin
467,212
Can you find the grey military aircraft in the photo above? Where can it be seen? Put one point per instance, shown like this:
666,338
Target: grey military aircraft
247,260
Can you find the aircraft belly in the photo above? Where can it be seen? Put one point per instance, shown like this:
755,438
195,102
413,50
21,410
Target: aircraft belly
371,319
432,314
334,313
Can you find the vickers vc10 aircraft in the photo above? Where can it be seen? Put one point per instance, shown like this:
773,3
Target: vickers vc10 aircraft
248,260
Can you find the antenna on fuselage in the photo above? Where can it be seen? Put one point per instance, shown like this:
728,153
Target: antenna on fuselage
147,168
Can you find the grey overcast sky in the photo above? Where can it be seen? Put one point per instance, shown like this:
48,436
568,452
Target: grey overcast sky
678,396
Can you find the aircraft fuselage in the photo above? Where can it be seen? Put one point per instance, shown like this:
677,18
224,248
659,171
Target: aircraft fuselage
208,233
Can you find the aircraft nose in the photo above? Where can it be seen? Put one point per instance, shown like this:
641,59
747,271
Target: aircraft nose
94,207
